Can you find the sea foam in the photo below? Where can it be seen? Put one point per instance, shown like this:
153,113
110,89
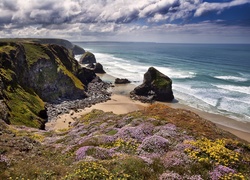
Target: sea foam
233,78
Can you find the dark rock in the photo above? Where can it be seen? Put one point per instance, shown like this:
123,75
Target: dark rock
77,50
156,86
99,68
121,81
87,58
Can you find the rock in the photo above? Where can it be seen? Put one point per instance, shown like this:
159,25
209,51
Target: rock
99,68
87,58
156,86
121,81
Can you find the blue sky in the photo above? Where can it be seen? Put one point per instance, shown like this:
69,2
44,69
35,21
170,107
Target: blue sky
171,21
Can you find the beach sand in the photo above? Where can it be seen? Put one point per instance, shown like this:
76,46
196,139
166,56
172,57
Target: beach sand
120,103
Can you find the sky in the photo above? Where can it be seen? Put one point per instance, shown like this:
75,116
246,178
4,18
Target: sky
169,21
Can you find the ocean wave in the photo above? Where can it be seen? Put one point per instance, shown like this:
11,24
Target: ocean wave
233,78
213,101
241,89
117,66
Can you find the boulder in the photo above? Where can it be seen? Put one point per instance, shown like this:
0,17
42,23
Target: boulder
87,58
156,86
99,68
121,81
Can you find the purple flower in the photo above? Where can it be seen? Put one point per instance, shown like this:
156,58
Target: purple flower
175,158
220,171
139,132
4,159
154,144
170,175
93,151
81,152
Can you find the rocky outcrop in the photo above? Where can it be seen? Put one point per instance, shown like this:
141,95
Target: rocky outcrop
156,86
87,58
31,73
99,68
121,81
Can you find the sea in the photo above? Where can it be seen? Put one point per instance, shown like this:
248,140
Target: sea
214,78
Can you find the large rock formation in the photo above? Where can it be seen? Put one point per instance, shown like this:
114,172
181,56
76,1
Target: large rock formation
156,86
87,58
31,73
99,68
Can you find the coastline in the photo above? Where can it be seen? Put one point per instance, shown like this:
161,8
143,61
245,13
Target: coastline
121,103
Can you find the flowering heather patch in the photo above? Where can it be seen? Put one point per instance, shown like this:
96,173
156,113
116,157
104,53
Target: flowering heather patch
139,132
175,158
95,152
170,175
4,159
219,171
154,144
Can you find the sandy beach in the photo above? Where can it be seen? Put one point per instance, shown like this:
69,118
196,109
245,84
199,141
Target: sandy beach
120,103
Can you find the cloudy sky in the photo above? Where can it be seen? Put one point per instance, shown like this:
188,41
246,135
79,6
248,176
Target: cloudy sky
186,21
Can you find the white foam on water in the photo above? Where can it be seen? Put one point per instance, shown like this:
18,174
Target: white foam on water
176,74
232,78
77,57
241,89
134,71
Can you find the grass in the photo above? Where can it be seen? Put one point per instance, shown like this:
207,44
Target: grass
34,52
25,107
6,48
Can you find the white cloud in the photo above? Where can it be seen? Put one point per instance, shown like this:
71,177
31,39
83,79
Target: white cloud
206,7
120,19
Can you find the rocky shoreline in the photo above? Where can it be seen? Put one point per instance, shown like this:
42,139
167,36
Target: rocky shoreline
97,92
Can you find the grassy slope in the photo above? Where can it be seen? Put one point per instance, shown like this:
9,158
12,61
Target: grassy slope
59,156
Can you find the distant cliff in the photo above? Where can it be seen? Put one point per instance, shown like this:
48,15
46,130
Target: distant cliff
31,73
62,42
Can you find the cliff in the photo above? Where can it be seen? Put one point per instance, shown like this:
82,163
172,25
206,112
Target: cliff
31,73
61,42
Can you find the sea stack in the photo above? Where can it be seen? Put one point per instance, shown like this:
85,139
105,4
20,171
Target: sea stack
156,86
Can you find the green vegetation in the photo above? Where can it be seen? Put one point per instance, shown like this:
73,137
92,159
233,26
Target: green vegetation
25,107
161,81
78,84
34,52
69,155
7,48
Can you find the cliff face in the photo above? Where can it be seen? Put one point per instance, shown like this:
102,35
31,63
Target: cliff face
31,73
